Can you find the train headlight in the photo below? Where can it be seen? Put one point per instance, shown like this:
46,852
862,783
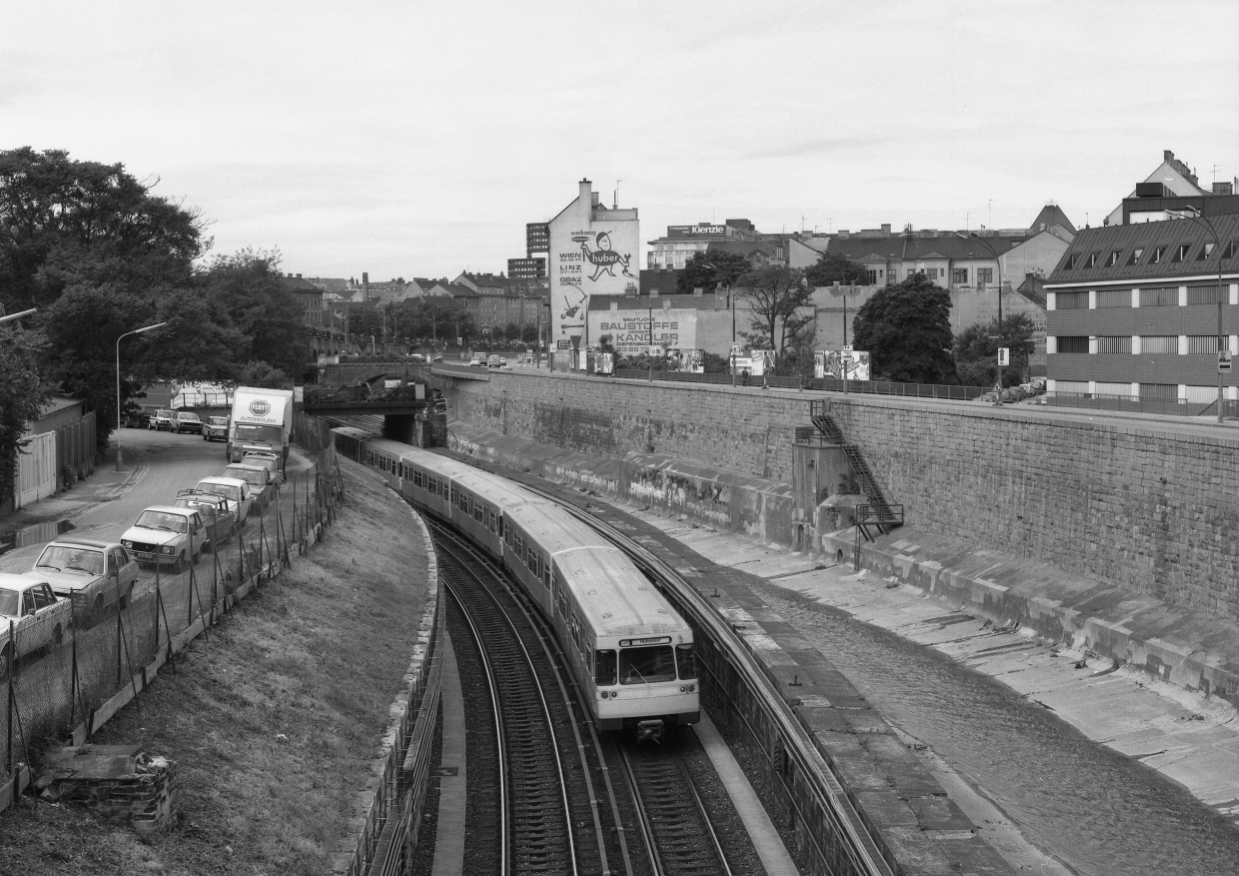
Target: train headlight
687,688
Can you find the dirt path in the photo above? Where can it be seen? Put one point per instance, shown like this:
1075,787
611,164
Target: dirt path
273,721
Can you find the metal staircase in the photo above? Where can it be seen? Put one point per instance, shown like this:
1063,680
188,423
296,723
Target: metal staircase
878,514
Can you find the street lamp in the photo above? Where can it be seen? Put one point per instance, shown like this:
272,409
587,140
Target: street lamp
13,316
148,328
972,235
1200,219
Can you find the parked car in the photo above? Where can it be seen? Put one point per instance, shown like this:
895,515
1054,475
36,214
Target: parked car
162,419
188,421
262,488
269,461
215,429
237,491
167,534
218,513
93,575
37,617
137,420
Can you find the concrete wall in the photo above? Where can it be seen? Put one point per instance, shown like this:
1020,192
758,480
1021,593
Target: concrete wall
1150,511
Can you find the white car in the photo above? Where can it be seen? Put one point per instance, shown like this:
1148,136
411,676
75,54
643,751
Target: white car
37,617
238,491
269,461
94,575
167,534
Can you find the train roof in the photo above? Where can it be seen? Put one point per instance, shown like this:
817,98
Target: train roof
616,598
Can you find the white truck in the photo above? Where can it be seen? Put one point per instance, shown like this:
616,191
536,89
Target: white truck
262,419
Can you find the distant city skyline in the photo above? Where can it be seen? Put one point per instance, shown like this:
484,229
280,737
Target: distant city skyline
419,141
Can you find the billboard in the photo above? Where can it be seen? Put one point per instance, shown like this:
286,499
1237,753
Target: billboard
756,364
841,364
633,331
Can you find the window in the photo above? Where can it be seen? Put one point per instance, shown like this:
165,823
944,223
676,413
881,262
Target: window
871,277
647,665
1158,253
1159,344
1206,251
1231,249
1166,296
1159,392
1135,255
1091,261
1114,344
605,667
985,276
1200,345
1206,294
932,273
1113,258
1073,259
1073,343
1113,298
1181,251
685,662
1070,300
960,276
532,562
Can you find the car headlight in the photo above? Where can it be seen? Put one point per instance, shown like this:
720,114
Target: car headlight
127,543
167,549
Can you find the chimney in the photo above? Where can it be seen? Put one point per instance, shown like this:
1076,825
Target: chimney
1223,188
886,229
298,276
365,286
586,194
1167,155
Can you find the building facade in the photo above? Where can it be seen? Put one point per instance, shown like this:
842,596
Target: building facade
1133,311
592,251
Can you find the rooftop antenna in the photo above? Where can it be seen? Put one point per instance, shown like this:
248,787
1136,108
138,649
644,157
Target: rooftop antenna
615,200
1216,167
989,205
802,223
967,221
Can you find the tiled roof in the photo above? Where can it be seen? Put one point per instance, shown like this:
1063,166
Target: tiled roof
943,246
1050,215
1102,243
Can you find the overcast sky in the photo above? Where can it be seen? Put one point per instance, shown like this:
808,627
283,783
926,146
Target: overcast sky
407,138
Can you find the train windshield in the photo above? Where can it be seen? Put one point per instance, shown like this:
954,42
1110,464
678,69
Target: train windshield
685,662
647,665
604,667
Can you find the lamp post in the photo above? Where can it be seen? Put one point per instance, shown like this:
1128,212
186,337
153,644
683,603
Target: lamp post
981,240
731,303
19,315
1200,219
119,460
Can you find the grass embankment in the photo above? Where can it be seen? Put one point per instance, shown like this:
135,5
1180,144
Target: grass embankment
274,721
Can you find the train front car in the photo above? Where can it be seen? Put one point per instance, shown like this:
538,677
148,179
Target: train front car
643,673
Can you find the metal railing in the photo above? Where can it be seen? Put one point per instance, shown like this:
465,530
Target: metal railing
1132,404
817,384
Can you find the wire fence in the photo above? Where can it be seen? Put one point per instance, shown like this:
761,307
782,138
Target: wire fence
63,674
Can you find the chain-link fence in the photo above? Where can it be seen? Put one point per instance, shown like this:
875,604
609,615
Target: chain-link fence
66,669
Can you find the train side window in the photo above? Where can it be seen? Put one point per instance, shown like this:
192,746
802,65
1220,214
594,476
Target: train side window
546,577
685,661
604,667
532,562
494,522
576,631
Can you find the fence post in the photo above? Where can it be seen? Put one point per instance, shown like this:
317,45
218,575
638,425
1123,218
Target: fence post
12,667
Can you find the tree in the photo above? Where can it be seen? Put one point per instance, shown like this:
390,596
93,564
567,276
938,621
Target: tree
707,270
245,291
263,375
778,296
24,389
834,268
65,222
976,350
907,330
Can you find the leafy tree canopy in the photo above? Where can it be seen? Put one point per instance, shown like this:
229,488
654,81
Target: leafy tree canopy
780,304
707,270
834,268
907,330
24,389
976,350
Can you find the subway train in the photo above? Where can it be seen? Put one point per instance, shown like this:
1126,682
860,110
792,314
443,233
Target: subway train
630,652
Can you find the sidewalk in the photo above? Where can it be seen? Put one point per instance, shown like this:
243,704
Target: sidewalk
102,485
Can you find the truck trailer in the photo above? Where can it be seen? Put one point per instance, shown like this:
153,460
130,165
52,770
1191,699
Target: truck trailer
262,419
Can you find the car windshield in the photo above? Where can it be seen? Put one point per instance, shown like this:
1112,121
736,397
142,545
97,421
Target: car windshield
162,520
647,665
163,413
70,558
10,603
185,415
231,491
244,474
255,432
219,421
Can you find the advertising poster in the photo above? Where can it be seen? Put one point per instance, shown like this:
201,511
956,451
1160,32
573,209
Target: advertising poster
840,364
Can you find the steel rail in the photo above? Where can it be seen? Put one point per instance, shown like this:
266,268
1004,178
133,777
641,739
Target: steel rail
643,817
546,711
861,848
497,710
